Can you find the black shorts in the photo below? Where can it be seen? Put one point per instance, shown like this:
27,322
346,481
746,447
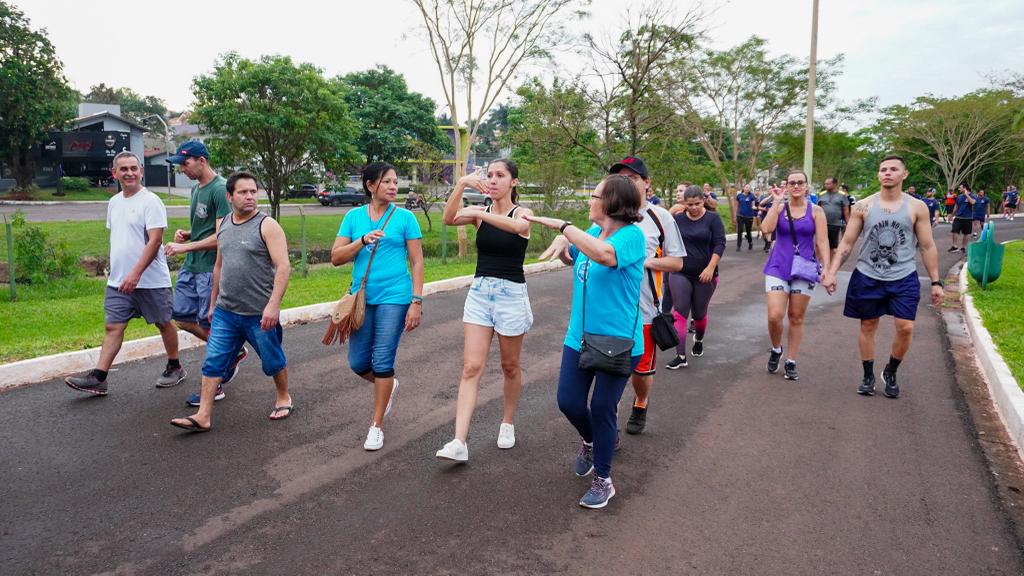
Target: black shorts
962,225
834,234
1011,206
868,298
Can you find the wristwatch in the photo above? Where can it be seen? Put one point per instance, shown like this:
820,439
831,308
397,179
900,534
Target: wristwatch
564,225
938,283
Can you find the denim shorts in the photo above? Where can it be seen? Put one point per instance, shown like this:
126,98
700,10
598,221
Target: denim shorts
229,331
192,297
373,347
500,304
793,286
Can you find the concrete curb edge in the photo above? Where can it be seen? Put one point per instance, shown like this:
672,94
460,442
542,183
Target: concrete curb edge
44,368
1006,393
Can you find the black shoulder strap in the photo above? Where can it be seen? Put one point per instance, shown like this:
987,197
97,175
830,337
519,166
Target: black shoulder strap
661,243
792,229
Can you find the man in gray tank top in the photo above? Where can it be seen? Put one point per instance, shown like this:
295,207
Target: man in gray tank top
249,280
885,279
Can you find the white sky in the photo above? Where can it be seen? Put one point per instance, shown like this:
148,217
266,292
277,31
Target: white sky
895,49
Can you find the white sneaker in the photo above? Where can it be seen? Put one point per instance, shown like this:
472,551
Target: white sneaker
454,450
391,399
506,435
374,439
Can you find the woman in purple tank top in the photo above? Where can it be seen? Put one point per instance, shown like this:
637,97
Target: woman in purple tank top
788,295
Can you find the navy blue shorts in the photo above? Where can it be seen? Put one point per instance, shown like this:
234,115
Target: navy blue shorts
867,298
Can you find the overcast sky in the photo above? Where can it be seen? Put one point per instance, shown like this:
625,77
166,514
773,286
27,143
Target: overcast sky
895,49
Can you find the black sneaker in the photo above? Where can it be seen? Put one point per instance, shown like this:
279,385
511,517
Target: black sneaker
790,369
867,387
698,348
637,421
750,246
963,250
773,361
738,247
88,383
892,389
952,249
677,363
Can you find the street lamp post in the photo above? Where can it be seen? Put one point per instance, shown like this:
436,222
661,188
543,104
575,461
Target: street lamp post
167,149
812,70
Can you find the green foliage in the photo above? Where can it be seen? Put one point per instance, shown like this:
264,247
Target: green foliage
75,183
37,257
34,94
837,154
276,118
390,118
133,105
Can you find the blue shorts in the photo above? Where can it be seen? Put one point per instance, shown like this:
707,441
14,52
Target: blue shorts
868,298
500,304
192,297
229,331
374,346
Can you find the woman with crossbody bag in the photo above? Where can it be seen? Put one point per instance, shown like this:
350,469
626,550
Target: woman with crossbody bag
391,236
604,341
793,268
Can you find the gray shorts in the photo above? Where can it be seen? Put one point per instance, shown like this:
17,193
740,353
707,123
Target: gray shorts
152,304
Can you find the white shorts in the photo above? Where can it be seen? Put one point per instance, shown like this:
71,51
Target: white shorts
794,286
500,304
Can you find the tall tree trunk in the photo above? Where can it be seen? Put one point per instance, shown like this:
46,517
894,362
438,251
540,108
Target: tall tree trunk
23,168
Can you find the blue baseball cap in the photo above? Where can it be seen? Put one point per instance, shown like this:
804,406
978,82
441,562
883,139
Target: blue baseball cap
192,148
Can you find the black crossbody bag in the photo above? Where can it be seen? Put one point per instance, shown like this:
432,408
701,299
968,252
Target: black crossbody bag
663,328
608,354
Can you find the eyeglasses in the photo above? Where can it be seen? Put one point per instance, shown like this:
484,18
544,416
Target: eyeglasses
796,182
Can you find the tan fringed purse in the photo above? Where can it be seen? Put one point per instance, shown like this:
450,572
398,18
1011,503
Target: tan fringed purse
350,312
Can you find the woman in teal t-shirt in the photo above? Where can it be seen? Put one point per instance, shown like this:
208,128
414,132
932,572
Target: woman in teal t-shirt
394,297
609,258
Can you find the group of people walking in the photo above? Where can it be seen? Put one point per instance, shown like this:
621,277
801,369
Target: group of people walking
638,267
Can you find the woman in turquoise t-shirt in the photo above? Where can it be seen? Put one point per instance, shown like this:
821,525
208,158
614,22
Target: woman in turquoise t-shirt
394,297
609,258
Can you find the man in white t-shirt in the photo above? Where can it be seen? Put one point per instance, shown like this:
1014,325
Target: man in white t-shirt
665,253
139,284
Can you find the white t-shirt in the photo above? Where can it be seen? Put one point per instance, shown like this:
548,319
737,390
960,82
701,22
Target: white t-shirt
673,247
128,220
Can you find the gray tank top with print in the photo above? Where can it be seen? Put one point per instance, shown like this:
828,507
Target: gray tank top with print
246,270
888,245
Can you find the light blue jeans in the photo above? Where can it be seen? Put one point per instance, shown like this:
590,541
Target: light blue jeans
372,348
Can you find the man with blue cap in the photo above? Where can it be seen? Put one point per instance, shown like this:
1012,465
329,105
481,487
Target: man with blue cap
207,206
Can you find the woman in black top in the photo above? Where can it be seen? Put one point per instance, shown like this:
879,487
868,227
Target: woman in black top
497,301
704,237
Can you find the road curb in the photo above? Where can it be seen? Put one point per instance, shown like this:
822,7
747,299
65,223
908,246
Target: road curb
44,368
1006,394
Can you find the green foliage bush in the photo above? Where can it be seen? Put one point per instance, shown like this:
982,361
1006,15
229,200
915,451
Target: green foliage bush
37,258
75,183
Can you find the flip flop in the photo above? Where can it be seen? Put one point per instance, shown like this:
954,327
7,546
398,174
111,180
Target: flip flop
286,409
193,427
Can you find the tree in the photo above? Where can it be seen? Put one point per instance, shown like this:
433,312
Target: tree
733,100
837,154
390,118
133,106
479,46
428,170
961,136
34,94
276,117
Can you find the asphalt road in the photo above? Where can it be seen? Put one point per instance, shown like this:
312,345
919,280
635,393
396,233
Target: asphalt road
740,472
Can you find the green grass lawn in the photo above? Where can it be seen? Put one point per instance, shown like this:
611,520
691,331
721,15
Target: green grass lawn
104,194
68,315
1002,309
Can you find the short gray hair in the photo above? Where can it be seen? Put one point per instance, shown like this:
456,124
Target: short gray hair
125,154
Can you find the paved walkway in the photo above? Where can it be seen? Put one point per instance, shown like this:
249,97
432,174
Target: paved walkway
740,472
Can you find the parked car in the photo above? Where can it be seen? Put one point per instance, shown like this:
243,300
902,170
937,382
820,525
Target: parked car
472,197
304,191
342,196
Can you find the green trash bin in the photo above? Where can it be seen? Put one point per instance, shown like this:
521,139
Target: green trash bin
985,257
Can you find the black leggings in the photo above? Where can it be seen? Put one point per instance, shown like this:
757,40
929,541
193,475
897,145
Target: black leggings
690,296
744,224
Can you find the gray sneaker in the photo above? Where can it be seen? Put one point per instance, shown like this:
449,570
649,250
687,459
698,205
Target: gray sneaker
87,383
584,463
171,377
601,491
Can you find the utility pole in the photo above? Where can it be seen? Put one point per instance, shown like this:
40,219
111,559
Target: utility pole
167,149
809,133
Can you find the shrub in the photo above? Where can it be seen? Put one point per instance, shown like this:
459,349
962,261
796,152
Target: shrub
37,258
75,183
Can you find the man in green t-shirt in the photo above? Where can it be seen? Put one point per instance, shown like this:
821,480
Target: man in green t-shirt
208,205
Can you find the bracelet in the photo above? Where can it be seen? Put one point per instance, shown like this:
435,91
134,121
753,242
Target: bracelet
564,225
417,299
938,283
363,239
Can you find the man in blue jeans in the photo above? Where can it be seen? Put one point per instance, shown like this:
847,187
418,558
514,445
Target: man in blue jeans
250,277
208,204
